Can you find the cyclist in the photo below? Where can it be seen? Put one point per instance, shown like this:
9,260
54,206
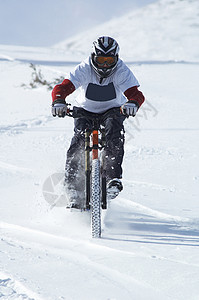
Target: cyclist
107,83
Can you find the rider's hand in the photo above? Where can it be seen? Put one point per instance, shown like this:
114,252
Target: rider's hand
129,109
59,109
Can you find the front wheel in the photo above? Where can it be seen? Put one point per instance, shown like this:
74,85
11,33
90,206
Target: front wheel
95,200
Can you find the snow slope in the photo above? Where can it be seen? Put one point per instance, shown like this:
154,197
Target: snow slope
150,239
164,30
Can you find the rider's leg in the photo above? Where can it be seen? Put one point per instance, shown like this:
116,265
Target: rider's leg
114,150
74,169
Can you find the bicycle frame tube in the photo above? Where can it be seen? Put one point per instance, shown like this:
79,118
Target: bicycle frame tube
95,144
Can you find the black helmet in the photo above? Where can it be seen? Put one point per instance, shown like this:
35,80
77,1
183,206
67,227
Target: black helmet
104,56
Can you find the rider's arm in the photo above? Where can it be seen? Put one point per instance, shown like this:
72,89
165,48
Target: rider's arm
129,84
134,95
75,79
61,91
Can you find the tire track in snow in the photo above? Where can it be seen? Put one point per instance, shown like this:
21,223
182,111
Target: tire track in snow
145,225
14,169
83,253
13,242
85,256
123,202
26,124
13,289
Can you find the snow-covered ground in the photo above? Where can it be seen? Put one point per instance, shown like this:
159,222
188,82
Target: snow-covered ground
150,239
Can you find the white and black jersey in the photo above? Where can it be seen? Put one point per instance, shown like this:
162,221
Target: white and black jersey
99,97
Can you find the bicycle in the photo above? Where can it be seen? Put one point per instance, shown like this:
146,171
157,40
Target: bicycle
95,197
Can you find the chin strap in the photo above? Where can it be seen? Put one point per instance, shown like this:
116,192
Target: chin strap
101,79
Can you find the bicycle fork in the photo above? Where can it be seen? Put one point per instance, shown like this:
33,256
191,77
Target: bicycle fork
95,180
94,149
88,149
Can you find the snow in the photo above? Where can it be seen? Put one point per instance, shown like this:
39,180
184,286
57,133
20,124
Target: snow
164,30
150,233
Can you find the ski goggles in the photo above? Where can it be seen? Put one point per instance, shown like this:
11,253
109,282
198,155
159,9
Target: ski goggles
108,60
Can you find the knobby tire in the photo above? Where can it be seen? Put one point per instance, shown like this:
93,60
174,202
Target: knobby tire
95,200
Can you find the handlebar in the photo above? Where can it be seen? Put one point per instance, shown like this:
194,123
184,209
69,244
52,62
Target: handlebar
79,112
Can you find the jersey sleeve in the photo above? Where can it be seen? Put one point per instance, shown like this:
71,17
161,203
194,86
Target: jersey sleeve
61,91
125,78
79,75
